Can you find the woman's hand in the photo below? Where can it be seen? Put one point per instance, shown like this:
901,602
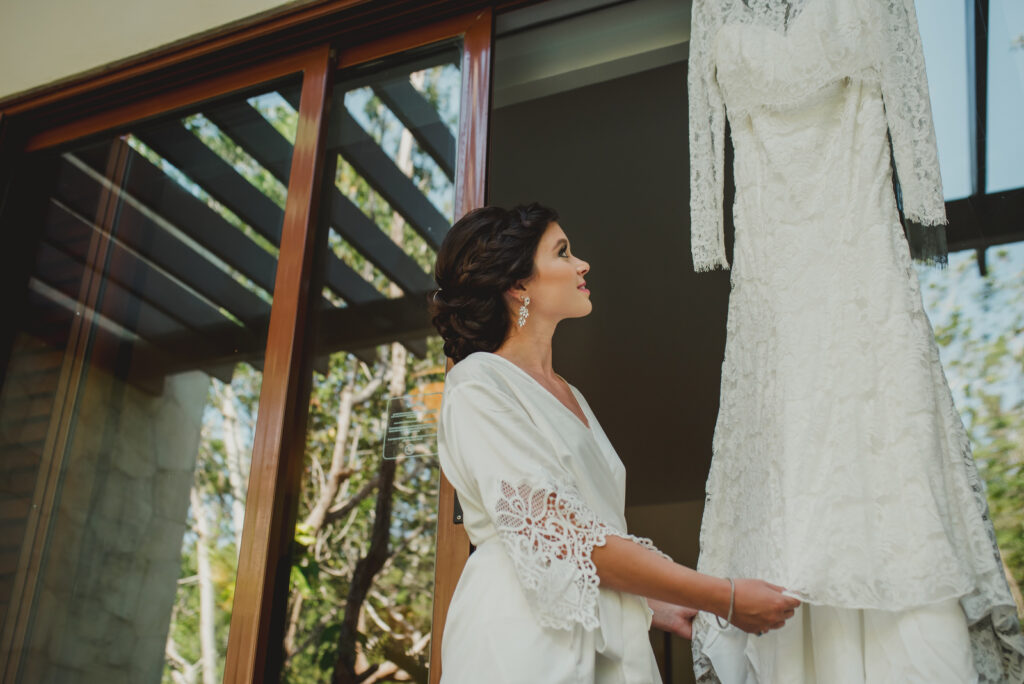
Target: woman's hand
672,618
760,606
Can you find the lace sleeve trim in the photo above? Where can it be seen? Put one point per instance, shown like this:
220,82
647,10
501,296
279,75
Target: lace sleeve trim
707,142
909,114
550,534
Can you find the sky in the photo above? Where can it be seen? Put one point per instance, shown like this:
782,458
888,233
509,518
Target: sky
948,52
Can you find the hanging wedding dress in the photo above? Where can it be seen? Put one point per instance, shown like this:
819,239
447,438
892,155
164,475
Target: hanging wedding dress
840,468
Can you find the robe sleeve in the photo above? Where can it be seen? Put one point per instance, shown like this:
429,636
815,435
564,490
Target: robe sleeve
495,455
707,141
908,113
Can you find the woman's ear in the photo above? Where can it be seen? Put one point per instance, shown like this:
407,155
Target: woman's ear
517,291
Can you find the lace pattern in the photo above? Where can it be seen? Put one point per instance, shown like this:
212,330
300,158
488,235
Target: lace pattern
908,111
884,566
550,533
865,40
707,142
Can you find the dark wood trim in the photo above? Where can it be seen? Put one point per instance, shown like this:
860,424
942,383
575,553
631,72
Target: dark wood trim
470,192
980,82
76,360
434,32
173,99
258,615
471,157
252,41
979,222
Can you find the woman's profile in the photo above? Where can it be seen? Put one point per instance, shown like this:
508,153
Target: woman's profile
556,590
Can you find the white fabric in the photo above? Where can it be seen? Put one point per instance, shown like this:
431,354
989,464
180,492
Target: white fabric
756,54
841,468
539,490
825,645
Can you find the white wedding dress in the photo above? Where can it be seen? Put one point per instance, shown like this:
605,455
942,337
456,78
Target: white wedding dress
539,490
841,469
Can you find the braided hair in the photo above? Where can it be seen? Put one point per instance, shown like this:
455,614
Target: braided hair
486,252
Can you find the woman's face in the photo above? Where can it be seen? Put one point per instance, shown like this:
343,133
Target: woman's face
557,288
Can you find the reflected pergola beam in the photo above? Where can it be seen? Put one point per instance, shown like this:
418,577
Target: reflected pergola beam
380,171
71,235
193,217
219,179
248,128
224,183
373,324
350,329
110,351
422,120
363,234
265,144
165,297
78,191
60,271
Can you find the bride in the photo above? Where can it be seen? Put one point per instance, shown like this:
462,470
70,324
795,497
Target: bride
556,590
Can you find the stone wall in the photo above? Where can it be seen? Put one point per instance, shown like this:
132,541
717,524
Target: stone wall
107,588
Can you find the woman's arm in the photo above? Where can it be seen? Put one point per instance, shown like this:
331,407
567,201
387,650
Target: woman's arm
624,565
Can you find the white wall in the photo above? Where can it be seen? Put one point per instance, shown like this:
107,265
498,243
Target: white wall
43,41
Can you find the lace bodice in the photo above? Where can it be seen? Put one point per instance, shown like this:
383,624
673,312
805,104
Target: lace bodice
778,55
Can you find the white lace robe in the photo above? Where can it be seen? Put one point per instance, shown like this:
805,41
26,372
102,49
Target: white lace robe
840,468
539,490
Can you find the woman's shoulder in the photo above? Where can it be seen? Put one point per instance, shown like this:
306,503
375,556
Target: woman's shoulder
477,368
480,373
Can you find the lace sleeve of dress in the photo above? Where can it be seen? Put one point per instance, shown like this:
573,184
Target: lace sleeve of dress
909,114
550,533
707,140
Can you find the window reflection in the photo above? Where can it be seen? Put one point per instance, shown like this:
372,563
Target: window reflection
130,393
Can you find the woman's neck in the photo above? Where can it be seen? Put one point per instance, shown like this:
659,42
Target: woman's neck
530,350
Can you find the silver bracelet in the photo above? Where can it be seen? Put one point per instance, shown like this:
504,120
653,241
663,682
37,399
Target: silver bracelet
732,603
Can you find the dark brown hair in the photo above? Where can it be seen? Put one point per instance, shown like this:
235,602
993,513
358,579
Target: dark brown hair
485,253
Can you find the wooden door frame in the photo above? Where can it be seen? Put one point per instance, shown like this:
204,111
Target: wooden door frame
477,32
275,478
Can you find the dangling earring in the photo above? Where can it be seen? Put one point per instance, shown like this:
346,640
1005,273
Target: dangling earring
524,312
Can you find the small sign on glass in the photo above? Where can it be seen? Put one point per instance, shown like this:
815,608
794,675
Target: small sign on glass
412,426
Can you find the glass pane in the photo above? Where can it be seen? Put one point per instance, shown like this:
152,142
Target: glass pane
1005,135
362,578
943,27
131,388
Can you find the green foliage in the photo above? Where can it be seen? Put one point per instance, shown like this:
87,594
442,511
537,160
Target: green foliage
979,326
401,595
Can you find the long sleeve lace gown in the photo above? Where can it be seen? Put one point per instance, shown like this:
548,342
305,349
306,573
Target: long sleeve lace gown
539,490
840,467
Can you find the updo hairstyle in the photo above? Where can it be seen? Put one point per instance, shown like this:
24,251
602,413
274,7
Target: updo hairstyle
485,253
